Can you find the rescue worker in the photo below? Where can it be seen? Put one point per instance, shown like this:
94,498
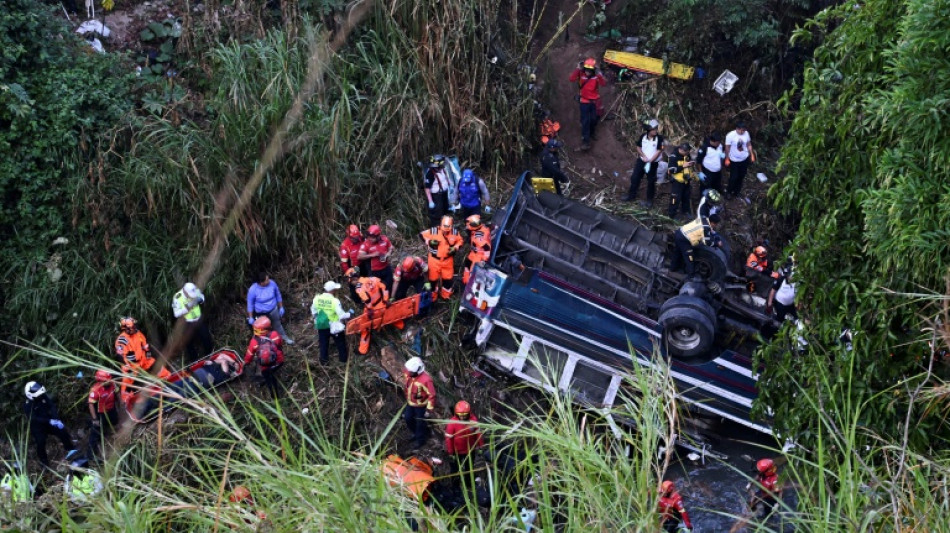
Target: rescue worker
420,400
375,298
551,165
681,170
710,157
82,483
479,237
782,295
266,349
44,419
443,242
766,492
738,155
709,204
133,349
437,186
15,484
349,253
264,299
412,272
413,475
758,268
462,437
473,194
671,508
186,304
589,80
127,389
650,148
328,317
699,231
376,249
104,417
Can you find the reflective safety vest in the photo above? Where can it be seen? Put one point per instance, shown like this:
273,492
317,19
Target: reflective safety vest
694,231
324,307
18,487
80,487
181,301
413,475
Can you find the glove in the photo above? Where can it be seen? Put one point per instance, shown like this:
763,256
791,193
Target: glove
427,286
646,168
433,242
352,311
487,210
431,205
452,250
392,299
56,424
702,177
722,155
250,321
727,162
282,312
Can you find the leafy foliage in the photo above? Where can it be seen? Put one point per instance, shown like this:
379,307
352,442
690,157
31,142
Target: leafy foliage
866,168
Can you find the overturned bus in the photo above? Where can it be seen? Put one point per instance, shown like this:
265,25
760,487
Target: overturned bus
573,297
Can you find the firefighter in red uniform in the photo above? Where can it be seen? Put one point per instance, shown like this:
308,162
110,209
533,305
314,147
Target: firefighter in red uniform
480,240
133,350
103,397
420,400
349,252
671,508
412,272
758,267
443,242
462,437
375,298
376,249
266,348
766,491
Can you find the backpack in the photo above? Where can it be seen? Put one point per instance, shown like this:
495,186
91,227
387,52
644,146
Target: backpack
266,351
469,193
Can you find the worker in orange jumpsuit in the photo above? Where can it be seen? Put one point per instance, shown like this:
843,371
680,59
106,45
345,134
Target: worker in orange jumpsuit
671,508
766,491
462,437
420,400
127,389
349,254
133,349
479,238
443,242
103,397
375,298
758,267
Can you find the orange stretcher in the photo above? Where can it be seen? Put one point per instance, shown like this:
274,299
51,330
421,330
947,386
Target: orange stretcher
650,65
406,308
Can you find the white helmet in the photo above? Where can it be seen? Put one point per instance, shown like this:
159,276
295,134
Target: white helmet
330,286
415,365
34,390
191,290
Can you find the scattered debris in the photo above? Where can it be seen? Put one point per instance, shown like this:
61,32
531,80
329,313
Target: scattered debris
725,82
762,177
94,27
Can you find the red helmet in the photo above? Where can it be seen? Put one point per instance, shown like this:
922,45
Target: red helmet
446,223
667,487
590,62
760,251
462,408
127,323
261,325
103,375
408,263
765,466
241,494
374,231
474,221
354,231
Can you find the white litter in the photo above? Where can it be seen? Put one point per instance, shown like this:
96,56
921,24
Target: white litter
94,26
725,82
762,177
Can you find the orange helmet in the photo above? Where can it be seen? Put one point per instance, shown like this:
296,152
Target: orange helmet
667,487
408,263
374,231
241,494
590,63
462,408
354,231
127,323
261,325
446,223
765,466
103,375
760,251
474,221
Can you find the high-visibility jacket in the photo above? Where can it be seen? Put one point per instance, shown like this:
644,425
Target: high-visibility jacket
349,253
462,436
413,475
326,309
441,243
420,391
180,303
103,396
697,231
18,486
480,241
671,508
372,292
678,169
133,349
79,487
